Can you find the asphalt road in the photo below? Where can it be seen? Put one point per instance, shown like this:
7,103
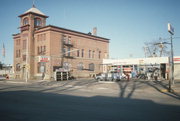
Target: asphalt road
19,102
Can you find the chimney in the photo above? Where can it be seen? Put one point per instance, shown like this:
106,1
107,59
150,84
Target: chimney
94,32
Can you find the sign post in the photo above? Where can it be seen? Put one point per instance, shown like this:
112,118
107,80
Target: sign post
171,81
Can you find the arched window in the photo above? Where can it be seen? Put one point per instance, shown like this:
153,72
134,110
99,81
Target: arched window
18,67
91,67
67,66
25,21
37,22
80,66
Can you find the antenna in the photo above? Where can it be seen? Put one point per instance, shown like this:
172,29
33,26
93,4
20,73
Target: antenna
33,3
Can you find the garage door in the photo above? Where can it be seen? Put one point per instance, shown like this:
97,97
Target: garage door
177,71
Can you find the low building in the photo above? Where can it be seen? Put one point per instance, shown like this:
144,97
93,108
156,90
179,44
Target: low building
41,48
141,65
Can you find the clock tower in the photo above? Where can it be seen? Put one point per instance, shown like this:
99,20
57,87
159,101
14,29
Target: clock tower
30,21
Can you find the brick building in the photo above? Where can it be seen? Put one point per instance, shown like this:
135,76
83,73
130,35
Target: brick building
42,48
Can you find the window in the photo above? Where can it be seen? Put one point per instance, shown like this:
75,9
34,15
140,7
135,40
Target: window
44,37
41,50
64,51
44,52
89,53
37,37
24,57
69,40
38,50
80,66
82,53
69,53
99,54
93,54
64,38
18,53
24,44
66,66
91,67
78,53
25,21
18,67
18,42
40,37
37,22
41,68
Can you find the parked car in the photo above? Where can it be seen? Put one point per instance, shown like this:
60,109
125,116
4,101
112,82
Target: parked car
101,77
108,77
2,78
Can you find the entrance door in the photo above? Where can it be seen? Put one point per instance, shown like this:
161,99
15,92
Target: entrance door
163,70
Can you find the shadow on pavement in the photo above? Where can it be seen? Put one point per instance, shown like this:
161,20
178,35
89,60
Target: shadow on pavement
66,86
159,86
127,88
38,106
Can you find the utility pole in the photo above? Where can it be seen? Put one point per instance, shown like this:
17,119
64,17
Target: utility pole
171,80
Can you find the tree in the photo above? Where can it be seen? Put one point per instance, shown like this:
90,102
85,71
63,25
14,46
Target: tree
156,49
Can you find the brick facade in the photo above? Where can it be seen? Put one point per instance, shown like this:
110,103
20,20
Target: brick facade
80,53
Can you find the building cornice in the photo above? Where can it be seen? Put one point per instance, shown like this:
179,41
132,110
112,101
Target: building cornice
15,36
33,14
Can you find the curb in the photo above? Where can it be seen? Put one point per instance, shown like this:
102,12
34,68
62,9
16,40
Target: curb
107,82
22,81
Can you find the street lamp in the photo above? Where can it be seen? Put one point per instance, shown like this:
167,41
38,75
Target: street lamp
171,31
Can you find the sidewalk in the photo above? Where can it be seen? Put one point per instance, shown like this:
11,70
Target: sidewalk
176,87
16,81
92,84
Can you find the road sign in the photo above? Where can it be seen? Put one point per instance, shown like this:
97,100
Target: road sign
170,29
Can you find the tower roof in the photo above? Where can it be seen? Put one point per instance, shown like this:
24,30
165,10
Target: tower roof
35,10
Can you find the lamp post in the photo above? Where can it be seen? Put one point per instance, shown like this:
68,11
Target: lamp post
171,81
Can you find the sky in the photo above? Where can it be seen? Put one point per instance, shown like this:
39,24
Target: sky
127,23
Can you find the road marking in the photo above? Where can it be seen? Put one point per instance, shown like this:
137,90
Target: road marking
164,90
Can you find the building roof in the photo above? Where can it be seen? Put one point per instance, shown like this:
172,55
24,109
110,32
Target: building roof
90,35
140,61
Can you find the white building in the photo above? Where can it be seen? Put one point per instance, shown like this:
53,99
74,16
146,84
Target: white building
142,64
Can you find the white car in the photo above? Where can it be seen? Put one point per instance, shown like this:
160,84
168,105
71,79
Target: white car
2,78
